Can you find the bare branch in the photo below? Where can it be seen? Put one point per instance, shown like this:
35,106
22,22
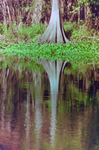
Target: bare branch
87,37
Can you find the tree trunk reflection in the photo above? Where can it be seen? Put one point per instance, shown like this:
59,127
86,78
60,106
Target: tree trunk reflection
54,70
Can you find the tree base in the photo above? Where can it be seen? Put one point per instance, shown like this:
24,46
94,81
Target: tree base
54,32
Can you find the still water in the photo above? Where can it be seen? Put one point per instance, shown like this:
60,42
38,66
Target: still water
48,106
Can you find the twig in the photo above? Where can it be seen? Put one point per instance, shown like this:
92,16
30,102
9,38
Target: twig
89,38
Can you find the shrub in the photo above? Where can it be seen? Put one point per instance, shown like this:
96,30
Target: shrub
1,29
31,32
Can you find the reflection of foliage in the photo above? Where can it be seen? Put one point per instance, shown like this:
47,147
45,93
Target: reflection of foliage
79,85
14,74
21,63
74,129
47,103
3,64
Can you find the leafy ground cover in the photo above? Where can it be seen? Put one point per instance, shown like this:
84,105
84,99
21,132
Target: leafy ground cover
74,53
22,44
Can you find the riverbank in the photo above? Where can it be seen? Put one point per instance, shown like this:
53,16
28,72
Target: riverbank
74,53
84,47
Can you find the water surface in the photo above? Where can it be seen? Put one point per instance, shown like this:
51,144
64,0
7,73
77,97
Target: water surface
48,106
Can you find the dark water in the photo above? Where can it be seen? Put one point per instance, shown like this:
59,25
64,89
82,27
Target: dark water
49,106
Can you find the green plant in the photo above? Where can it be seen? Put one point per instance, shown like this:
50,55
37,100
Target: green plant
73,53
69,27
1,29
24,33
31,32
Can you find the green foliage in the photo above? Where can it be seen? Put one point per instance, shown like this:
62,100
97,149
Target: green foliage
81,31
23,33
27,32
84,51
30,6
1,29
73,53
69,27
75,32
86,2
5,31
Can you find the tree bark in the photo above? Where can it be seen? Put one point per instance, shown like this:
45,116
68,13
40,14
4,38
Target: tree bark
4,11
55,32
78,15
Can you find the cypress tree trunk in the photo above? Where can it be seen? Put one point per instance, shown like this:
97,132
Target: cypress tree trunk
55,32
